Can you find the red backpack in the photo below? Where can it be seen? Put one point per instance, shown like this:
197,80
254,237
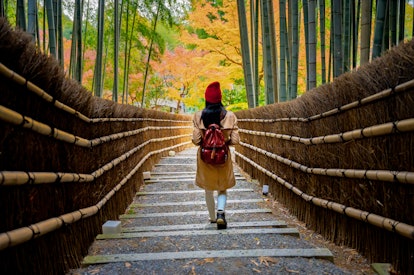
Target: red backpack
214,149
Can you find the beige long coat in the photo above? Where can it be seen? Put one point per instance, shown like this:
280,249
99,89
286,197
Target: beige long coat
216,177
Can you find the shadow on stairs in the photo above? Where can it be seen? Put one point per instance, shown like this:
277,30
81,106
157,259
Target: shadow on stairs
166,231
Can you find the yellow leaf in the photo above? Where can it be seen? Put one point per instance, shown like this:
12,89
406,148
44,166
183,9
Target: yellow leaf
208,260
254,262
268,259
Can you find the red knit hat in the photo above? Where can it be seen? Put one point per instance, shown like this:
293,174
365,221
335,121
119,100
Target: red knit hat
213,93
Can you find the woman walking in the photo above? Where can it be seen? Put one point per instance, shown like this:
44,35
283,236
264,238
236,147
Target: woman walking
215,177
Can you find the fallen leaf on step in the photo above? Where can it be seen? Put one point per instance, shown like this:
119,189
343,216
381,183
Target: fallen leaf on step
208,260
267,260
128,265
95,271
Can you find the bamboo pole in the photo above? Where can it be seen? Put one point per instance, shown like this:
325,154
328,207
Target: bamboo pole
15,118
404,87
15,77
406,125
380,175
13,178
19,178
400,228
24,234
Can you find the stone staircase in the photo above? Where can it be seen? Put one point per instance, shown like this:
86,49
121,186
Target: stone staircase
166,231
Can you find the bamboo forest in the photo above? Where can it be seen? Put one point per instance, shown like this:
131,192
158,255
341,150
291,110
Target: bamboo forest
161,54
106,109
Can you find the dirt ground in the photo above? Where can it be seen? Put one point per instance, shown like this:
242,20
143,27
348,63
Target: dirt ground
344,257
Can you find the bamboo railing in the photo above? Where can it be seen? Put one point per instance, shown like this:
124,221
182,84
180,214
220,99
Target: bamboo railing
24,234
340,157
68,161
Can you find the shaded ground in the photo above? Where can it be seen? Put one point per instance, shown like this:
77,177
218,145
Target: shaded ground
344,257
346,260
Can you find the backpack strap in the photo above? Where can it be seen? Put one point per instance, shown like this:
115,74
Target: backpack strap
223,114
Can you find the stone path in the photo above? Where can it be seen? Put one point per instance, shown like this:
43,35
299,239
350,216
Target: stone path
166,231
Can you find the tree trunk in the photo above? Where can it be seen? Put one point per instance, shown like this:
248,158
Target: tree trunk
322,32
269,52
86,28
312,44
289,50
59,31
125,81
393,6
116,50
128,53
79,60
337,43
401,33
355,32
31,18
149,54
379,28
295,49
51,24
306,26
2,9
282,66
273,50
386,33
73,49
254,15
247,66
20,15
346,35
99,52
366,12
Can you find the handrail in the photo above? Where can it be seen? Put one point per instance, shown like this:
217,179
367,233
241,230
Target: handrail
400,228
405,125
381,175
403,87
42,94
24,234
13,178
15,118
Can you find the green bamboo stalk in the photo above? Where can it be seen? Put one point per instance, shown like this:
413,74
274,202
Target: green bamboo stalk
322,34
282,66
312,44
247,66
379,28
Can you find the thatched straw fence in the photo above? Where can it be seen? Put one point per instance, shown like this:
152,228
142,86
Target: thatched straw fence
341,157
68,161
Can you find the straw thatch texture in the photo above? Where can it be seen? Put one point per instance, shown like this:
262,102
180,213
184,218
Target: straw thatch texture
341,144
68,161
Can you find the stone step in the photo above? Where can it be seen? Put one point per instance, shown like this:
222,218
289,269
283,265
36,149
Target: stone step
174,164
192,157
178,175
152,241
179,179
202,226
320,253
192,213
181,203
146,193
187,233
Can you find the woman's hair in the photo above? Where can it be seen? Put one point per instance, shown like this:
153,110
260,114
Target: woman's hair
213,113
